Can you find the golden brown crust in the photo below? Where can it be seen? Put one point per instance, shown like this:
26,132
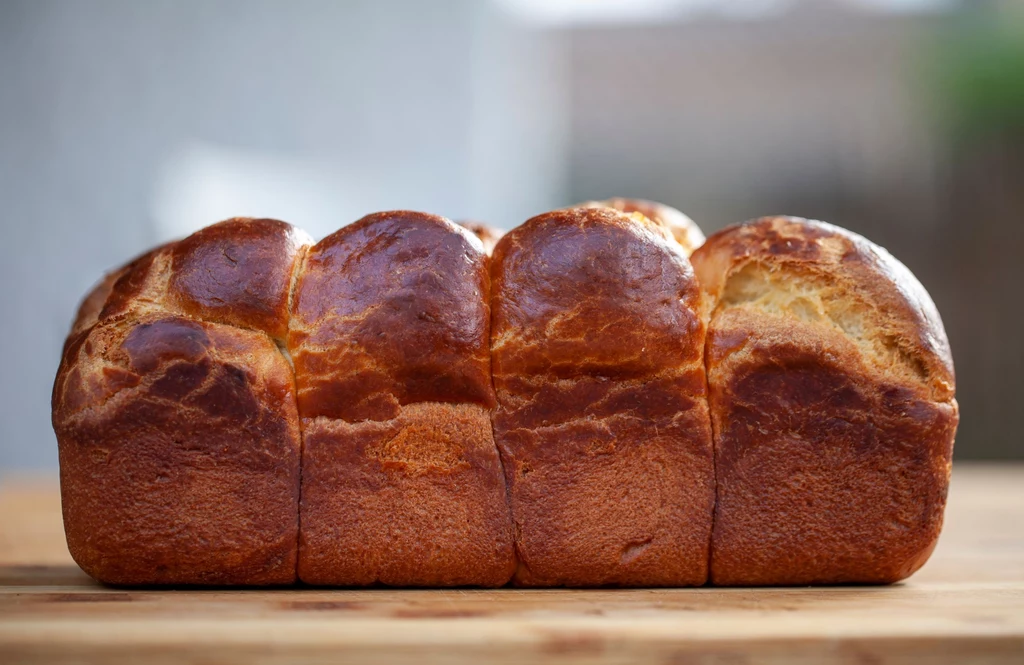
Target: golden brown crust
391,310
89,309
592,292
488,235
824,371
867,294
831,394
683,229
418,500
238,272
199,417
92,305
140,285
389,337
597,355
179,452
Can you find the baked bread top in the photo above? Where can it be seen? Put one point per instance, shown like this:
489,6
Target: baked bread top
417,334
153,311
814,285
682,228
592,291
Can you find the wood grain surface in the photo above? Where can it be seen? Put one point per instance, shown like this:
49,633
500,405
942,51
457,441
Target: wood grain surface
966,605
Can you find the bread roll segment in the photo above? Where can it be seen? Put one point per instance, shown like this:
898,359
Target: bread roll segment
402,483
831,394
602,422
178,437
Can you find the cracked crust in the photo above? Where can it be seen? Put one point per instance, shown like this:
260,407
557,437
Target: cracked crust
831,394
178,436
597,356
402,482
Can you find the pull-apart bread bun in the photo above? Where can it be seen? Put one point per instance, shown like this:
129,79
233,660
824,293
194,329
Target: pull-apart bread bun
401,480
176,418
602,423
831,394
682,228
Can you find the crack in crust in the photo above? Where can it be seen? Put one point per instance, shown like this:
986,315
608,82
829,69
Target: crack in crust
809,277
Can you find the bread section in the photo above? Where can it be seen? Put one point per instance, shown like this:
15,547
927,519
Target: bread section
401,480
597,353
178,436
831,393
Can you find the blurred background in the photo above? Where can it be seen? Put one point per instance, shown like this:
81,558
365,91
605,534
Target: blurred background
126,123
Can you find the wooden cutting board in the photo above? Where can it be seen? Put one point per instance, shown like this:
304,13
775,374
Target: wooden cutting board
966,605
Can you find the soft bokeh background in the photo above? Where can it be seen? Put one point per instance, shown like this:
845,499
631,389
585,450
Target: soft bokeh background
124,123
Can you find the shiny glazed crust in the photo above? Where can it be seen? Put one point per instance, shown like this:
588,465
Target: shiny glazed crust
682,228
573,410
602,423
178,435
401,478
831,394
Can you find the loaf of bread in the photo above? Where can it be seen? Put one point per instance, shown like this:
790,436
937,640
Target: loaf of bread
394,404
831,393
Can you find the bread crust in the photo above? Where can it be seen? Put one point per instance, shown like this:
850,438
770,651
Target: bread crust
95,300
416,500
401,479
178,437
682,228
831,394
239,273
574,410
391,310
602,423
